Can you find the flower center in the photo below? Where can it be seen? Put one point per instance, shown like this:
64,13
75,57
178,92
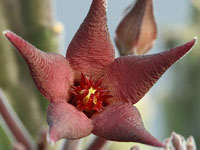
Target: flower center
89,95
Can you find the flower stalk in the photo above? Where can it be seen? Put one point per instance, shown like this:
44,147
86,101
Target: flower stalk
14,124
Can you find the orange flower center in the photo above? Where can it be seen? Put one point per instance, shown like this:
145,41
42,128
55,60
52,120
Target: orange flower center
89,95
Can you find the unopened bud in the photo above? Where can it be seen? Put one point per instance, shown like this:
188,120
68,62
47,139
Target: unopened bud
137,31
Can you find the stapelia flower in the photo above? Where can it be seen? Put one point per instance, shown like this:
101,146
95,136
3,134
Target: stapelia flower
89,90
137,30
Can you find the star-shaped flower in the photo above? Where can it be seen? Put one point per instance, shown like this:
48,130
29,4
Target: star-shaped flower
89,90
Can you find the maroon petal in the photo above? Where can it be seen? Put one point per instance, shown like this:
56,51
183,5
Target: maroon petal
91,47
51,72
122,122
65,121
137,31
131,77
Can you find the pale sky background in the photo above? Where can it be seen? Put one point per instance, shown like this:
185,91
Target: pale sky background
167,12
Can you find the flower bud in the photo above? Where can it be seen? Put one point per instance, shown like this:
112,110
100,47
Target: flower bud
137,31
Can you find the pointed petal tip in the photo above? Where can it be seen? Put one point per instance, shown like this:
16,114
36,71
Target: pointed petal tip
195,39
6,31
13,38
8,34
181,50
189,45
159,144
152,141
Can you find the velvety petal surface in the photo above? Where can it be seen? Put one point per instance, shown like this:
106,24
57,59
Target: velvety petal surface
131,77
91,50
122,122
137,31
51,72
65,121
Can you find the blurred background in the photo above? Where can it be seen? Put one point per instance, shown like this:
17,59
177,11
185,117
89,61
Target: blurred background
173,104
